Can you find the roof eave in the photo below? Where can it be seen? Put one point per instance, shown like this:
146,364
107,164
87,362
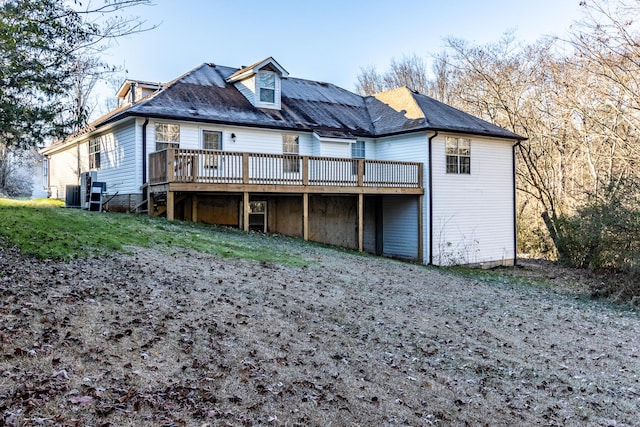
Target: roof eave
513,137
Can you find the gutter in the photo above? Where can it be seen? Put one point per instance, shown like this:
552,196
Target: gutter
430,163
515,217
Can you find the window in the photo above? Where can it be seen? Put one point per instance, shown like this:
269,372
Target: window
94,153
167,136
211,140
267,87
357,152
291,149
458,151
45,172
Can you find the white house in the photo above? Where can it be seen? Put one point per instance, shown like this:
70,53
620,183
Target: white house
397,174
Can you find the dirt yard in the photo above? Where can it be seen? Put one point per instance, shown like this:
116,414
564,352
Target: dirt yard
173,339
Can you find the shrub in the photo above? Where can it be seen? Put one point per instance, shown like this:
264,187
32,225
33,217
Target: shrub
604,236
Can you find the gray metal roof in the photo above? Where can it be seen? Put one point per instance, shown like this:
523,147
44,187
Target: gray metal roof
203,94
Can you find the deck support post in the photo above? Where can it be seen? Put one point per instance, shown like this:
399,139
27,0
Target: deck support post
305,170
194,208
420,229
150,202
360,166
360,222
305,216
245,211
170,205
245,168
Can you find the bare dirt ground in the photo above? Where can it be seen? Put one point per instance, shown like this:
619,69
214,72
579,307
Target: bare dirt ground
171,339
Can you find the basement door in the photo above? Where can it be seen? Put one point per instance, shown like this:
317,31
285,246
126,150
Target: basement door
258,216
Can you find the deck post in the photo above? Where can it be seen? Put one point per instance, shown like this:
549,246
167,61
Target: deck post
171,164
194,208
305,216
360,222
150,201
170,206
245,211
420,232
245,168
305,170
360,172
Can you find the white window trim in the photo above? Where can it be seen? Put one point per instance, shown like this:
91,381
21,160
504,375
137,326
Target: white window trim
45,172
458,156
95,154
276,104
167,144
290,164
211,160
354,147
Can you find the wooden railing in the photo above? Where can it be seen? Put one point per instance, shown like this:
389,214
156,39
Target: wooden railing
225,167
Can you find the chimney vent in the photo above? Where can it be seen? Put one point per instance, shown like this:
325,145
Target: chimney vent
132,92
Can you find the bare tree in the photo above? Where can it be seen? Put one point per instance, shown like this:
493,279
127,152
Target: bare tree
410,71
369,81
438,88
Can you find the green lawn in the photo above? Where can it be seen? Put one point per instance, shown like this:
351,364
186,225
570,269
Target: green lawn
43,228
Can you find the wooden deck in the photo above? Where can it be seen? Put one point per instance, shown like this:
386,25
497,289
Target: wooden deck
184,170
187,173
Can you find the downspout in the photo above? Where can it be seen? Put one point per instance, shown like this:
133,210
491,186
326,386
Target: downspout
144,151
144,163
515,209
430,163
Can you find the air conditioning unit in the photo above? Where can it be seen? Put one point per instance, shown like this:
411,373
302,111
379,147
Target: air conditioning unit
86,179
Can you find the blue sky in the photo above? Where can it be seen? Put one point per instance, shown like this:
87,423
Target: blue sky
326,40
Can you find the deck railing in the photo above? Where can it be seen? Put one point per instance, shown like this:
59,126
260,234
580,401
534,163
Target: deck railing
225,167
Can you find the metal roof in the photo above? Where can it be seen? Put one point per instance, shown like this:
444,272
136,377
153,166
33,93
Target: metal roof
204,94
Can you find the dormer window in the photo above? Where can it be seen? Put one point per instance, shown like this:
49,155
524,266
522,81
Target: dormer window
261,83
267,86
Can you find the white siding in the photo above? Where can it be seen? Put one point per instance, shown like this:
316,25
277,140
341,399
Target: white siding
473,214
400,226
335,149
408,148
370,149
253,140
315,147
63,171
118,160
247,87
83,155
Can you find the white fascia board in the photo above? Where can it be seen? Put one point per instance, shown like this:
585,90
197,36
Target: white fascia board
329,139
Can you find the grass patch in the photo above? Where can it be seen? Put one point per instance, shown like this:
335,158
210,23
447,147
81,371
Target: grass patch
503,275
42,230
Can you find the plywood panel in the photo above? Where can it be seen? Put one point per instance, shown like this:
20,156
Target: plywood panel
333,220
222,210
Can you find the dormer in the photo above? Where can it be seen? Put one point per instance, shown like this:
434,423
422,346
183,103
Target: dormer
132,91
261,83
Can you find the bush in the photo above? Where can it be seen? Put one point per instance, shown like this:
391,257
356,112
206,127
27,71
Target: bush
533,235
604,236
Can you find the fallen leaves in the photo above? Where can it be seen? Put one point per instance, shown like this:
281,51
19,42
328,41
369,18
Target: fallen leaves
139,340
